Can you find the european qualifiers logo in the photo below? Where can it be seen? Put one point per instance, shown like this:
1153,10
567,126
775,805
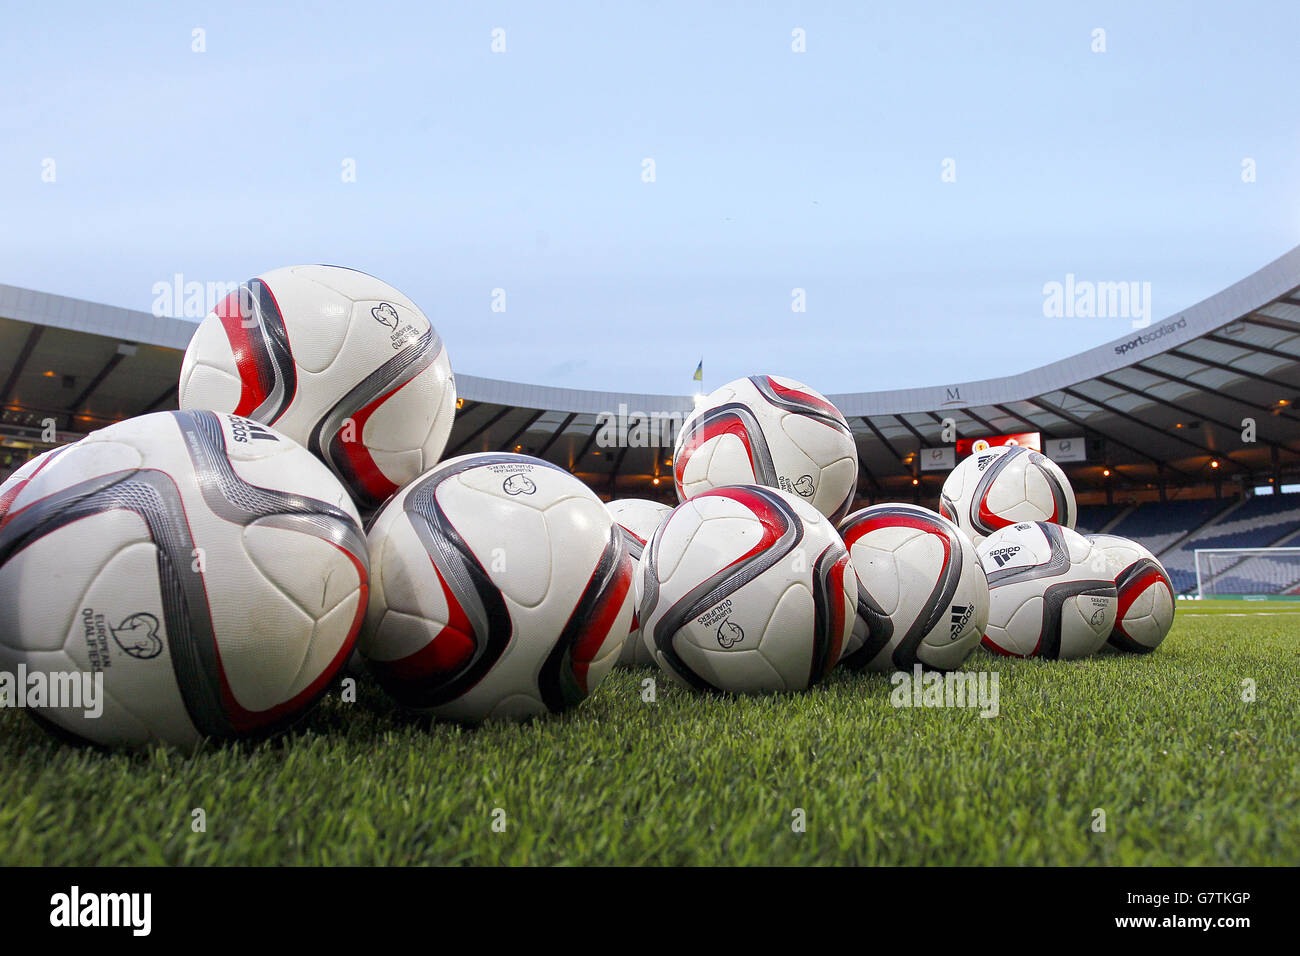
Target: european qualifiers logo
518,484
1100,606
729,634
138,636
803,486
96,630
386,314
133,911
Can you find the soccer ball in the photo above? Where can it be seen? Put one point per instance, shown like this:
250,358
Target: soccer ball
336,360
1146,596
502,589
16,482
210,570
922,594
1051,593
746,589
638,517
1002,486
769,431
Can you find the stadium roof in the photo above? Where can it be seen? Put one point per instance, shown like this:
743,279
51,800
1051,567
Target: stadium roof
1158,405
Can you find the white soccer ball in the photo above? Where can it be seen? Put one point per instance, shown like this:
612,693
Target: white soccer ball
1003,486
337,360
922,594
1146,595
771,431
501,589
17,481
1050,592
746,589
210,570
638,517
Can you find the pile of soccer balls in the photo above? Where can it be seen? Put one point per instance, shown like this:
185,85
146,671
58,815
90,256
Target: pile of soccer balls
210,564
758,581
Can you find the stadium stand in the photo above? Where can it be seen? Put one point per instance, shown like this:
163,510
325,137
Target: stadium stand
1158,526
1258,522
1094,518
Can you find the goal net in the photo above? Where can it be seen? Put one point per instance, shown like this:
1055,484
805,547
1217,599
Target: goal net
1247,572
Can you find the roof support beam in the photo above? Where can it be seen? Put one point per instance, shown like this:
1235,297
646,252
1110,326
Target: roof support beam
1248,347
20,363
480,430
908,425
505,445
969,413
1048,407
1188,357
1160,401
864,471
1032,424
1171,377
78,404
541,452
883,440
1148,426
160,400
622,452
1272,322
591,440
618,464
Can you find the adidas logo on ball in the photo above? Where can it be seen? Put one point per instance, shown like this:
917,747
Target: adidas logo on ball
1058,601
1003,555
243,431
960,617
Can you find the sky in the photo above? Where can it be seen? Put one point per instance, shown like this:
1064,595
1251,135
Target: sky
921,171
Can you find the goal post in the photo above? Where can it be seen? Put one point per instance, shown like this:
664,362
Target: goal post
1252,573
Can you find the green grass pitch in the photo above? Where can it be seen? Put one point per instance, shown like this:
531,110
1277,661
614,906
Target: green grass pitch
1186,771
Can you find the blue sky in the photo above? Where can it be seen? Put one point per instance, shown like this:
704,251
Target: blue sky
774,170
